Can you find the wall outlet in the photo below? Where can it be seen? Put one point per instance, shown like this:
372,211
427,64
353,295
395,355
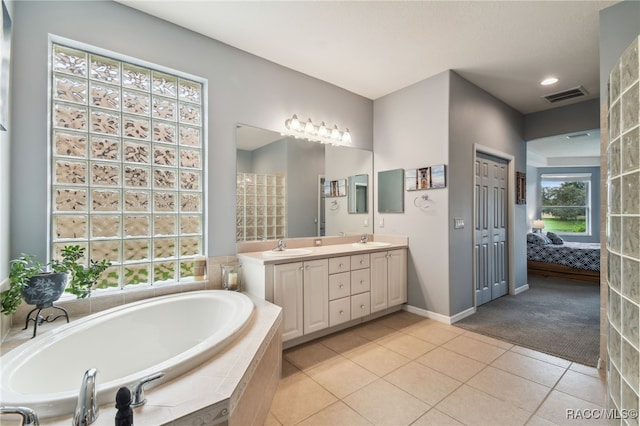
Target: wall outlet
366,222
317,242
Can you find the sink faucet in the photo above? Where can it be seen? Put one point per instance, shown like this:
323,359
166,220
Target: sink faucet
29,416
281,246
87,407
363,238
138,389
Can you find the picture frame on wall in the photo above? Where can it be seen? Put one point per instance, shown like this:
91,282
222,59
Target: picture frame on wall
521,188
431,177
335,188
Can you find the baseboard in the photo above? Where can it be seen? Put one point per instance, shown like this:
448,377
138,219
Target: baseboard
520,289
439,317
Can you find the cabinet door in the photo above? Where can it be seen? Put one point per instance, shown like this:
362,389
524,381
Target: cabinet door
397,276
316,295
379,273
287,293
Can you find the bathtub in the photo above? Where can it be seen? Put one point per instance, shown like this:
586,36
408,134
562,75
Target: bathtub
172,334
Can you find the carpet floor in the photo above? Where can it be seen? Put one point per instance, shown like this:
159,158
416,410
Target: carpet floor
555,316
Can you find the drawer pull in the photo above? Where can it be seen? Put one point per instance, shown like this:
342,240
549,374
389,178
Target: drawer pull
362,306
341,285
341,312
362,261
361,281
341,265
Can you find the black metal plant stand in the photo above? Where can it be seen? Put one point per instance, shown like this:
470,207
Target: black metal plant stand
38,319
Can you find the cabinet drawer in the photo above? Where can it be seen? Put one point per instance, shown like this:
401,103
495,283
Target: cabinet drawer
339,285
359,261
360,281
339,264
360,305
339,311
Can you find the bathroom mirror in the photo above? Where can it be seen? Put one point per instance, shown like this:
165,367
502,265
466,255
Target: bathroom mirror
290,202
358,193
391,191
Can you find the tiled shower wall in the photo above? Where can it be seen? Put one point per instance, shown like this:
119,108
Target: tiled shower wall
623,234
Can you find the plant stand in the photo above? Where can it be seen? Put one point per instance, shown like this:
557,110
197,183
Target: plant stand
38,319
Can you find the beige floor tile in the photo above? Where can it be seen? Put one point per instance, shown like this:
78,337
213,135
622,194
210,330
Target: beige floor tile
271,420
406,345
452,364
474,349
542,356
539,421
434,417
433,332
561,409
508,387
344,342
377,359
341,376
337,414
384,404
373,330
297,398
288,369
401,320
489,340
589,388
309,355
473,407
590,371
423,382
530,368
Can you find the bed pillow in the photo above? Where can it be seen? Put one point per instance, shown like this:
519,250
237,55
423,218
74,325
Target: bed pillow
538,238
555,239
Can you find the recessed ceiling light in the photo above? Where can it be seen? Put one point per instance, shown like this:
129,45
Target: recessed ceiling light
549,81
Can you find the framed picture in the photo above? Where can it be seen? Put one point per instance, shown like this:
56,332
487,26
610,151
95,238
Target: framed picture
426,178
5,61
521,188
335,188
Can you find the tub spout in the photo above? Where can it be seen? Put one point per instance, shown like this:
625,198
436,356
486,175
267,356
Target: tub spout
29,416
138,389
87,406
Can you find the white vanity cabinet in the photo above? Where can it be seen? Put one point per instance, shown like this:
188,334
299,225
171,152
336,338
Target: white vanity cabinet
334,288
388,279
302,290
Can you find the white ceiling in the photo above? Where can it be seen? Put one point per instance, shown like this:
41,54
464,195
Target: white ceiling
374,48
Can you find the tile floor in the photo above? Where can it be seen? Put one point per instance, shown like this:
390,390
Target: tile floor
404,369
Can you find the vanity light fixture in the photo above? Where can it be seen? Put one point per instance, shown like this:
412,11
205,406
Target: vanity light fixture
315,133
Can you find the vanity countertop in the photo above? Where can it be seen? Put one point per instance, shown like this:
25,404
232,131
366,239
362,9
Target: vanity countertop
266,257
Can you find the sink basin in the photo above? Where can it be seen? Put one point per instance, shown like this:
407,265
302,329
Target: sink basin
286,252
371,244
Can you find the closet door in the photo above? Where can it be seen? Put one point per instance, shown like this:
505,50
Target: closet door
490,228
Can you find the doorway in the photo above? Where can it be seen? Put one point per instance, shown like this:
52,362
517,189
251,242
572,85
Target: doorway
491,221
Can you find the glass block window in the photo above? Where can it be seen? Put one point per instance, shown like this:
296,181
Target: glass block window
127,165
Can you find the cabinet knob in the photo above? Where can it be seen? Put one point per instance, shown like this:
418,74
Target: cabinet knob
301,268
341,265
341,285
362,261
341,312
362,282
362,306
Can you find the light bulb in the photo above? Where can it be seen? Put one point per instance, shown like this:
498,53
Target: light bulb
346,137
309,128
335,134
323,132
295,123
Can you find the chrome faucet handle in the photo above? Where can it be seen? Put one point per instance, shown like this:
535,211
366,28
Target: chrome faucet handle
138,389
281,245
29,417
364,238
86,411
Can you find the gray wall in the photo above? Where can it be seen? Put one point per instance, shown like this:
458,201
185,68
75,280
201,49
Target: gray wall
242,89
595,200
559,121
476,117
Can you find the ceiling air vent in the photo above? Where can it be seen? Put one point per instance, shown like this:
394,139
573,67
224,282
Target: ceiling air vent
566,95
578,135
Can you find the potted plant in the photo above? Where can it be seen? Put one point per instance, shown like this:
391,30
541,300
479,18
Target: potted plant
42,284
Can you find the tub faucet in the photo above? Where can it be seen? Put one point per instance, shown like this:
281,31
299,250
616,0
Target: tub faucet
281,246
138,389
86,411
29,417
363,238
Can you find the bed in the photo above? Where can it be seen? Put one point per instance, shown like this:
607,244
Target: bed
569,260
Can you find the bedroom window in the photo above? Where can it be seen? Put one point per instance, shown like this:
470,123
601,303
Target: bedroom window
566,203
127,164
